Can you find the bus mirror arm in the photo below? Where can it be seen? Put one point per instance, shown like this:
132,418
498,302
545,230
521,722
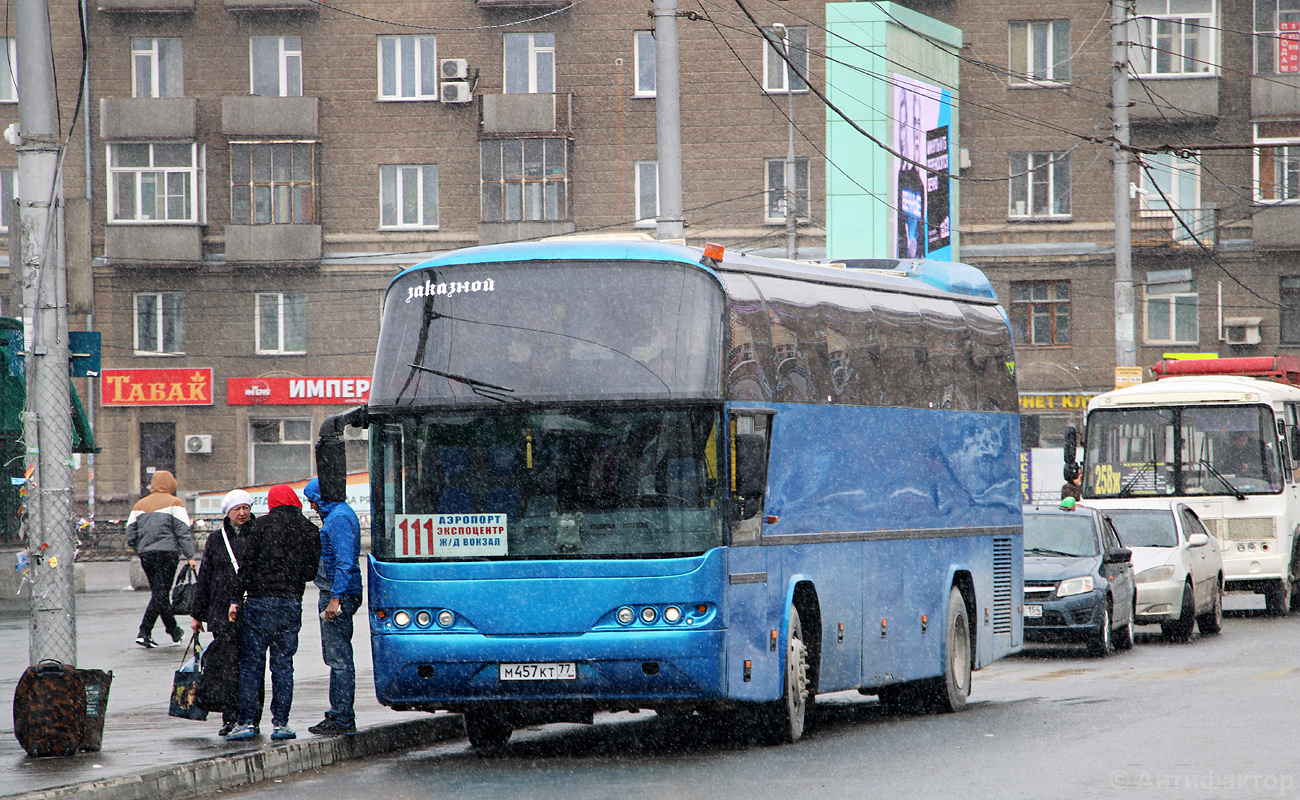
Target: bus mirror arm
331,454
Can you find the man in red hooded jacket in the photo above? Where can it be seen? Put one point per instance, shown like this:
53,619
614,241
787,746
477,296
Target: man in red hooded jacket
280,559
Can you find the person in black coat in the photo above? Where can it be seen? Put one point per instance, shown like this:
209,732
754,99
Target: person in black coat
217,583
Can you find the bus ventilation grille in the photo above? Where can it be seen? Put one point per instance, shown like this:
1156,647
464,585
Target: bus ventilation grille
1002,563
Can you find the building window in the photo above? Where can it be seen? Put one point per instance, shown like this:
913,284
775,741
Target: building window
408,68
645,63
647,194
156,68
282,323
1040,52
524,179
1277,166
1277,37
273,183
281,449
408,196
777,75
158,182
9,72
1169,183
529,63
1040,313
1171,308
1173,38
275,66
8,191
160,323
777,197
1040,185
1289,311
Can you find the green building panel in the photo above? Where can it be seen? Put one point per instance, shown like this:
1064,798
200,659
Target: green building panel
867,46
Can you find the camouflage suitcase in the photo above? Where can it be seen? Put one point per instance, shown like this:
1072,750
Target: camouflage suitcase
50,709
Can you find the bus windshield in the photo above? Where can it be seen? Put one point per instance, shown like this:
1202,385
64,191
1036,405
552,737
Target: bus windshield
495,333
570,483
1181,450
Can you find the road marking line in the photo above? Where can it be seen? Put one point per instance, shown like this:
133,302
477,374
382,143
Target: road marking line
1057,675
1170,674
1277,673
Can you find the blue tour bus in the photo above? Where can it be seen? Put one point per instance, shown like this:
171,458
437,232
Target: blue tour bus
612,474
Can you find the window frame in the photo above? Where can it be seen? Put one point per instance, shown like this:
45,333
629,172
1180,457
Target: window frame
1288,314
1152,204
288,67
159,303
1170,300
779,79
162,62
1289,145
280,349
1055,68
771,201
389,173
8,191
1271,30
500,186
273,187
643,47
641,173
1023,175
9,69
536,55
196,194
1147,28
1029,309
282,441
420,67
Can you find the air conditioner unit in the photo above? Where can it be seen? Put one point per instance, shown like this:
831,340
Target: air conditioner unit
454,69
351,434
1242,330
199,443
456,92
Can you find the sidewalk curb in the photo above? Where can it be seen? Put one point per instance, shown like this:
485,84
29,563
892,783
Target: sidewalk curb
209,775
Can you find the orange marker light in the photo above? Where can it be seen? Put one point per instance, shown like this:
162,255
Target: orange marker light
381,613
714,251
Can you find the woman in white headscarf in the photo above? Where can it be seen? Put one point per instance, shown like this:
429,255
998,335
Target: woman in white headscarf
217,583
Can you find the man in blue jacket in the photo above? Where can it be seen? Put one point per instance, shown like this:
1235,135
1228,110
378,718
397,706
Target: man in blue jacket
339,581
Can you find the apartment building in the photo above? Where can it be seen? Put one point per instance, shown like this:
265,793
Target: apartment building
244,177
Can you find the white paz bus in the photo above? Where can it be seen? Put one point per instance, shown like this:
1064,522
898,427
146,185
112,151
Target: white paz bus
1223,435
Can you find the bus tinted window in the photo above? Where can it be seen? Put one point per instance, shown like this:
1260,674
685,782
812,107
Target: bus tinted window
542,330
749,361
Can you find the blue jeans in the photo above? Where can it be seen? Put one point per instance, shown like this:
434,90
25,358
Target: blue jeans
336,648
269,623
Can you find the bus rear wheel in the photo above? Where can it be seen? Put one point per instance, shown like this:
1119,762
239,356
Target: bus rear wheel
949,692
1277,598
782,722
486,731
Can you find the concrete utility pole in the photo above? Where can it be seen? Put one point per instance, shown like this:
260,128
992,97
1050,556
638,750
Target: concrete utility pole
47,417
668,122
791,197
1125,345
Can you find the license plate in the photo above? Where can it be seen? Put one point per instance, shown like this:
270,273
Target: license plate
538,672
1033,611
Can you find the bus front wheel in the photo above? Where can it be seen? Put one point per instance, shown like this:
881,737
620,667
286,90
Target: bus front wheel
486,731
782,722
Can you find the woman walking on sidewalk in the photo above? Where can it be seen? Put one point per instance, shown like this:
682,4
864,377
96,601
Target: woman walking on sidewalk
158,530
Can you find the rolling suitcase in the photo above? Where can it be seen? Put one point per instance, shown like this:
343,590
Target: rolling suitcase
50,709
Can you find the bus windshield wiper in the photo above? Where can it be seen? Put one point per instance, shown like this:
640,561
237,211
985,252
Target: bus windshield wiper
1142,470
482,388
1233,489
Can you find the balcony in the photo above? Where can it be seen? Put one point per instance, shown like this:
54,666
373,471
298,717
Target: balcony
525,113
1277,227
270,5
1275,96
1186,227
153,245
261,117
138,119
281,244
146,6
1174,99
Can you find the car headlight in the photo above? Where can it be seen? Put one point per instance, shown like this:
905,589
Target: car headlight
1156,574
1074,586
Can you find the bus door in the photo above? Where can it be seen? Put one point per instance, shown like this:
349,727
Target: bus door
754,576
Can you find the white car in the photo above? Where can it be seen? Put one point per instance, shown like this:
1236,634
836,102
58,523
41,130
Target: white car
1178,566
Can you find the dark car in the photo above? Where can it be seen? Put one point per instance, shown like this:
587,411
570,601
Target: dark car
1079,584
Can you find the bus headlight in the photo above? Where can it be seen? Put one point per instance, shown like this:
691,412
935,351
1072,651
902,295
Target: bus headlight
1156,574
1074,586
648,614
626,615
672,615
401,619
423,619
446,618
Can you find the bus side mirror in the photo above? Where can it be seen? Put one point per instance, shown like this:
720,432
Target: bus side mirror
1071,445
751,464
331,469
